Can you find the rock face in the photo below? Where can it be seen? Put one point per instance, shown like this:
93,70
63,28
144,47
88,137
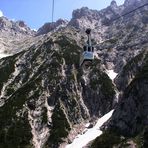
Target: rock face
130,117
128,125
46,97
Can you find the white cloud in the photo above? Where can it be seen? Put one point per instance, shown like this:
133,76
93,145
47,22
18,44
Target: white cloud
1,13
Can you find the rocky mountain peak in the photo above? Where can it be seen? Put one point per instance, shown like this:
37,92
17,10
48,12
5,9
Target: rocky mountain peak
18,27
78,13
131,2
113,4
21,24
85,12
84,18
61,22
47,27
2,22
12,35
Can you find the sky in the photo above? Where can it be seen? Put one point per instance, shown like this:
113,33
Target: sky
37,12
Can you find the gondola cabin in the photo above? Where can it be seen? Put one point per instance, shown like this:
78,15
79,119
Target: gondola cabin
88,50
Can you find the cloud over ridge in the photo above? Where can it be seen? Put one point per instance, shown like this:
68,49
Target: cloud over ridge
1,13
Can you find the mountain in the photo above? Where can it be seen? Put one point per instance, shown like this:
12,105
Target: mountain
47,98
48,27
46,84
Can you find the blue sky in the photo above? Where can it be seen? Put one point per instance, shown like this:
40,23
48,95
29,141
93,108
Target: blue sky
36,12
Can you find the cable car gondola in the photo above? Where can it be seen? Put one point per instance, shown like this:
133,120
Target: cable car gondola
88,50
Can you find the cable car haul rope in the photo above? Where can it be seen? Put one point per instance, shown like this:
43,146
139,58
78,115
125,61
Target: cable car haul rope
52,11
